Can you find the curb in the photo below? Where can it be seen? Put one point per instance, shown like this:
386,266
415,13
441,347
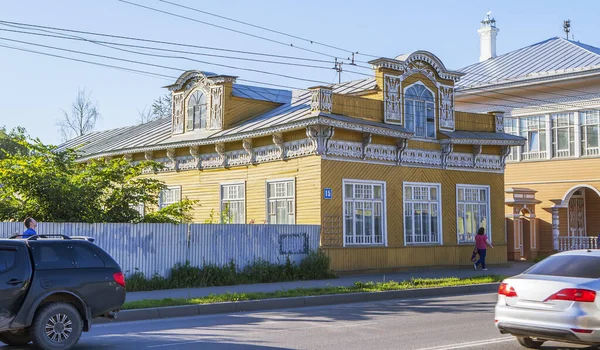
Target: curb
294,302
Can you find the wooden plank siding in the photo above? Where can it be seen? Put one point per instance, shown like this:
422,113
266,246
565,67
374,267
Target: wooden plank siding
398,258
359,107
240,109
204,186
474,122
552,180
332,174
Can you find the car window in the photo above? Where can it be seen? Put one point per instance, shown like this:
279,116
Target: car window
7,259
567,266
86,257
49,256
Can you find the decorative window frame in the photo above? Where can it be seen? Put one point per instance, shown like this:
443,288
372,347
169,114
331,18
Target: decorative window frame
243,183
440,212
435,114
488,229
294,197
383,212
161,203
446,119
186,107
393,101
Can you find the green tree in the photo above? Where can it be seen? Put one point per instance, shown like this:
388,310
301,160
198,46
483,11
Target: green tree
9,142
51,185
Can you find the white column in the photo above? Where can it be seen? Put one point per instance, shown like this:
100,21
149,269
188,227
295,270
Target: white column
555,224
577,132
549,147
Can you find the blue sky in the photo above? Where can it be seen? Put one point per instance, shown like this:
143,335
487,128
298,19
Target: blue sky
35,88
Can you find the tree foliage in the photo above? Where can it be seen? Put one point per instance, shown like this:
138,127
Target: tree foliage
51,185
9,142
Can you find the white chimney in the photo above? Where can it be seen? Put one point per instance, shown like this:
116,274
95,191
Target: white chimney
487,38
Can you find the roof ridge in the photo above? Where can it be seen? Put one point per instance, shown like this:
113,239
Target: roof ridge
583,46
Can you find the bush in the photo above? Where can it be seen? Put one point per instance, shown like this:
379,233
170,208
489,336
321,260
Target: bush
314,266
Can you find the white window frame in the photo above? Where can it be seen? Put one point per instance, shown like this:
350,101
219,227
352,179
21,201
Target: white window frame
560,153
526,153
140,208
162,203
430,185
196,125
511,126
268,200
221,206
383,213
435,119
488,214
589,151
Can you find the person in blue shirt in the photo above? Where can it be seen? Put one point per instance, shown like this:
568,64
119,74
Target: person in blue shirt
31,225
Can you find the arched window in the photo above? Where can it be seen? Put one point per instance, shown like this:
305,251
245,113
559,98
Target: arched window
419,111
196,115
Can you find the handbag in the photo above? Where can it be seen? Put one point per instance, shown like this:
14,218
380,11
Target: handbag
474,256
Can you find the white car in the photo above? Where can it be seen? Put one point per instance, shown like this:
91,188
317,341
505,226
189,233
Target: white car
556,299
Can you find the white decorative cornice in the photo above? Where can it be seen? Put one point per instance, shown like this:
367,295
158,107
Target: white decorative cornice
323,120
357,151
247,145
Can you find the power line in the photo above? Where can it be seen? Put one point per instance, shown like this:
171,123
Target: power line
90,62
258,82
166,50
161,66
165,42
228,29
267,29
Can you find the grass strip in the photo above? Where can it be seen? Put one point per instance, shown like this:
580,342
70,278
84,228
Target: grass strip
358,287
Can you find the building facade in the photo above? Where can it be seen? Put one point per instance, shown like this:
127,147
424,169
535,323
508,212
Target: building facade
549,93
395,176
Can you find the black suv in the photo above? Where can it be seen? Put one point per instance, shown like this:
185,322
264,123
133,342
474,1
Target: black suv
52,286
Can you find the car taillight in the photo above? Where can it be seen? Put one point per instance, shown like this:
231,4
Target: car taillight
507,290
119,277
574,294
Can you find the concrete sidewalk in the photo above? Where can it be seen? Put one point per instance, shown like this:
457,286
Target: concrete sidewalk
515,269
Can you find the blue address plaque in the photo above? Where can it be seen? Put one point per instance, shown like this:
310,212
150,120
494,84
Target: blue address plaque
327,193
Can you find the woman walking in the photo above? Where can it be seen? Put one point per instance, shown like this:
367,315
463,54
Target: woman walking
481,243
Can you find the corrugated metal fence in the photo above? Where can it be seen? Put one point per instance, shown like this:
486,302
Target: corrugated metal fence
156,248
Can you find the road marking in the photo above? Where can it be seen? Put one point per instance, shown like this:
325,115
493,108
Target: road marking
471,344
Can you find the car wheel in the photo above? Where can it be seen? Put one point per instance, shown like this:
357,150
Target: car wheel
15,338
529,343
56,326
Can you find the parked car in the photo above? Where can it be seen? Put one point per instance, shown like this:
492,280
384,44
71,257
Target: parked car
51,287
554,300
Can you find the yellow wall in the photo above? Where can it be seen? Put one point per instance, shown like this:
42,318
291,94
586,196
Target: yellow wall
240,109
333,172
204,186
552,180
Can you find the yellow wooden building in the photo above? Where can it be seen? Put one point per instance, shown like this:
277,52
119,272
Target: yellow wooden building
549,93
393,174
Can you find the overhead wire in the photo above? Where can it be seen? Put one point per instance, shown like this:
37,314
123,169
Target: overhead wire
266,29
162,66
166,42
229,29
181,70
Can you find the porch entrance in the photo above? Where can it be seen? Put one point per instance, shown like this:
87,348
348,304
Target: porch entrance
522,226
581,204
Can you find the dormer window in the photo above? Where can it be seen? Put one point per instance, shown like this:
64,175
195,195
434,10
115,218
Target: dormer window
197,112
419,111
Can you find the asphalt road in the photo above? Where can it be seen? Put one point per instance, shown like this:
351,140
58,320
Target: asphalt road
464,322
